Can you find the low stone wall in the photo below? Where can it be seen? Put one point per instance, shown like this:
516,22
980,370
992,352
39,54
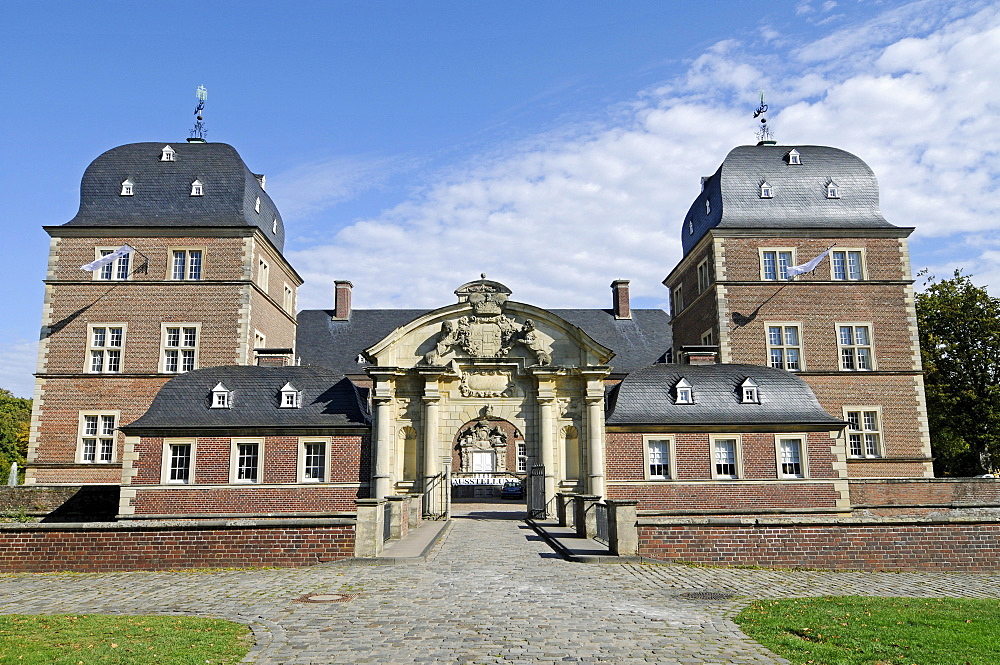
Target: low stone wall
965,545
106,547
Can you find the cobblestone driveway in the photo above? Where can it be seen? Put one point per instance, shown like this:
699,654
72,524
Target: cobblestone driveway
492,592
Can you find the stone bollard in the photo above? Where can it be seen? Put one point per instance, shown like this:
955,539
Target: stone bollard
585,515
564,508
399,516
623,527
368,531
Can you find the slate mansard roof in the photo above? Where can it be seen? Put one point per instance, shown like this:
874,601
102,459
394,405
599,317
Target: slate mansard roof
162,190
798,192
336,344
327,400
648,397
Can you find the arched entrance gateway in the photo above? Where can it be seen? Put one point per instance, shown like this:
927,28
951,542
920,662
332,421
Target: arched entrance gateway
476,393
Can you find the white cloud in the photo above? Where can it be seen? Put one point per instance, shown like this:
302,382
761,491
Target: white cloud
559,217
17,364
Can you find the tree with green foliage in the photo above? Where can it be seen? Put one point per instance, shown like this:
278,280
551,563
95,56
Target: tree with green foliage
960,347
15,418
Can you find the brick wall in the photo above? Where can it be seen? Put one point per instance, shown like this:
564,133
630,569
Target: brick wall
953,546
729,495
106,548
247,500
944,492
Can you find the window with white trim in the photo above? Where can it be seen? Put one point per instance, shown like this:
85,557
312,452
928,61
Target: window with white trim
704,278
245,461
832,190
726,454
708,337
659,454
791,456
178,461
774,263
259,340
784,346
197,189
105,343
263,272
222,397
167,154
847,264
854,341
314,461
766,191
678,300
289,397
683,392
749,392
117,270
288,302
522,457
794,158
274,225
180,347
185,264
256,205
864,431
96,440
708,207
128,187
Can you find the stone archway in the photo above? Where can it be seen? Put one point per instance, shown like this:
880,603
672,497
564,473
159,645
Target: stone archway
486,453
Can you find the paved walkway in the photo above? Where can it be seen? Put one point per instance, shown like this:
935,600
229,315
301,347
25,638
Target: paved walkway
491,592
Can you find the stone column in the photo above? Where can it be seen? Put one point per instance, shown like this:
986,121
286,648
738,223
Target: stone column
546,443
432,440
623,527
586,515
384,427
595,445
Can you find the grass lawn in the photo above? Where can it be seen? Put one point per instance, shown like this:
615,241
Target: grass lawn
121,640
851,630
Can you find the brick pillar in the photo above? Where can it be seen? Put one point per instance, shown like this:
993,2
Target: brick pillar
623,527
368,541
585,517
620,299
342,300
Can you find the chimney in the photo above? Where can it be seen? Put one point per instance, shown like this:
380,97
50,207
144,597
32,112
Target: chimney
342,300
619,299
699,355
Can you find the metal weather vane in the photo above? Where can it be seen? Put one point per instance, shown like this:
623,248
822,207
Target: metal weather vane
764,134
199,130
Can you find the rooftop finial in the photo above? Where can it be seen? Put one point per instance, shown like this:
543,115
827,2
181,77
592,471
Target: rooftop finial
198,133
764,135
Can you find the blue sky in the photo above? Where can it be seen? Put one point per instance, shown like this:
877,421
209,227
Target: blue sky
554,145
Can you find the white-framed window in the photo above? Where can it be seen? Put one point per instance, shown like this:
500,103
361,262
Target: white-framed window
766,191
179,343
288,301
854,341
117,270
178,461
522,457
678,300
749,393
704,278
167,154
847,264
790,451
259,340
832,190
222,397
274,225
105,343
774,263
708,207
864,432
256,205
708,337
185,264
263,273
659,456
245,457
794,158
96,437
128,187
289,397
690,227
784,346
726,456
683,392
314,460
197,189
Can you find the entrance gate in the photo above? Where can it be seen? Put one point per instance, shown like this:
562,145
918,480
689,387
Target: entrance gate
536,492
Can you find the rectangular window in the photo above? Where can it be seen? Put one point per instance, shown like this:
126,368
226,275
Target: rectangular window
314,469
707,338
289,300
658,457
246,461
522,457
186,264
703,278
784,346
180,348
116,270
726,458
864,433
180,463
104,348
96,443
790,457
855,345
678,299
774,264
262,274
259,340
846,264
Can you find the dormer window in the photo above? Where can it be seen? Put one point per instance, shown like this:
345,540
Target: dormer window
167,154
749,390
274,225
289,397
690,227
765,191
708,207
683,392
832,190
794,158
222,397
256,205
127,187
197,189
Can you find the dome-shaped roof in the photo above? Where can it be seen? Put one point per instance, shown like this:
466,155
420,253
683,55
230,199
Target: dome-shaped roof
162,193
798,196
